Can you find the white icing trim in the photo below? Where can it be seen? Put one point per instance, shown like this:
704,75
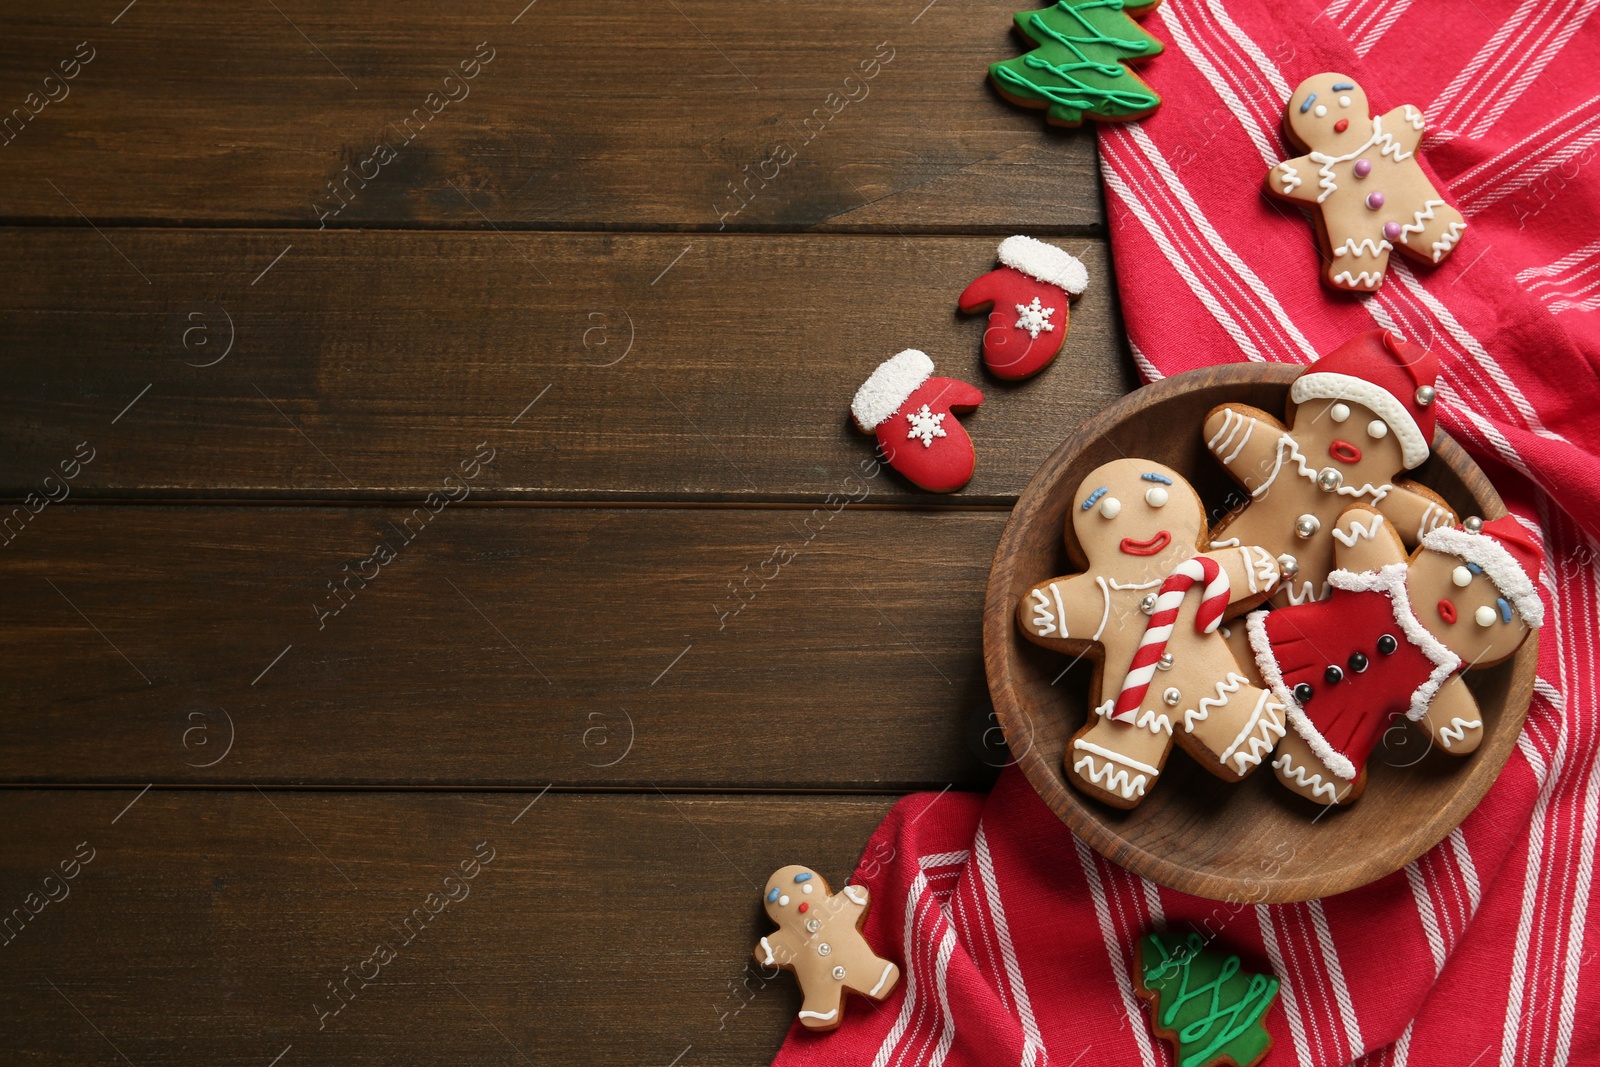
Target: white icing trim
1225,689
1392,581
1267,662
1300,778
1501,567
1150,720
1043,623
1286,441
1061,611
767,947
884,977
1306,594
1224,435
891,385
1457,730
1117,757
1365,247
1045,262
1290,178
1326,385
1232,542
854,894
1111,779
1249,429
824,1016
1385,142
1357,532
1445,243
1249,568
1271,732
1360,280
1413,118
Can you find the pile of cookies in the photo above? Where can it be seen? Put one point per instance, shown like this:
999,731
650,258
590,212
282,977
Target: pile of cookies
1363,598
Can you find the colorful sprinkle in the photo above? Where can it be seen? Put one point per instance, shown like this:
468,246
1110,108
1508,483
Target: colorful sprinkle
1162,478
1505,609
1307,105
1094,498
803,876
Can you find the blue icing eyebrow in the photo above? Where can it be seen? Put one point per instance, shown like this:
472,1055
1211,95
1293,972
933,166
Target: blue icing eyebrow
772,897
1162,478
1505,609
1094,497
1342,86
1307,105
1474,568
803,876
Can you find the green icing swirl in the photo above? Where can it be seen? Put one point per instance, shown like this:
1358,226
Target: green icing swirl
1073,55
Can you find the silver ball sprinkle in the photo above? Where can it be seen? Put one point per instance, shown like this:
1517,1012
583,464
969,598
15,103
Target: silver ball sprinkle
824,949
1472,524
1148,604
1425,395
1171,697
813,925
1306,525
838,973
1329,479
1165,662
1288,566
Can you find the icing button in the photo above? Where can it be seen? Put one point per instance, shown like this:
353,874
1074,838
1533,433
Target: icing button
1288,566
1306,525
1472,524
1374,200
1363,168
813,925
1329,480
1303,692
1147,604
824,949
1392,231
1165,662
838,973
1171,697
1358,661
1425,395
1387,644
1333,675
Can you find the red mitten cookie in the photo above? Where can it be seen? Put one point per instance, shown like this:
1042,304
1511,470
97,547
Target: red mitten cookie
914,416
1028,293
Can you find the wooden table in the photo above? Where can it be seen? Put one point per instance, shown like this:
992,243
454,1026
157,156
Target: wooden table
396,461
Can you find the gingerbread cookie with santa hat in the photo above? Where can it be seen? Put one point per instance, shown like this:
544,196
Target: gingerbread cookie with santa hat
1146,609
819,939
1357,418
1392,640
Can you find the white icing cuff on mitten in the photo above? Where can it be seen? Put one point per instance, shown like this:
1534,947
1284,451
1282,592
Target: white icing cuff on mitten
895,379
1045,262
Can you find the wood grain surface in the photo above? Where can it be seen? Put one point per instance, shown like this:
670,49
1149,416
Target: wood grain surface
772,648
369,364
532,327
692,115
206,925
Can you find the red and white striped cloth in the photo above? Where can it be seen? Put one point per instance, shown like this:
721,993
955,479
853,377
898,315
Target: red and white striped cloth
1017,938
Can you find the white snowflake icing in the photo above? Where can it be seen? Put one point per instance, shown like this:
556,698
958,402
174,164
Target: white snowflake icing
1034,318
925,424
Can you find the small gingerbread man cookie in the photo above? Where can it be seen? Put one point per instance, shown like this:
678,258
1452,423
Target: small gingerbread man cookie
1357,416
1362,178
1147,608
819,939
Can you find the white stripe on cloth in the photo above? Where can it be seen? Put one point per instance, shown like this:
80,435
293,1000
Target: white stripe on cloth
1553,38
917,934
1223,80
1316,998
1491,180
1535,167
1390,15
1557,273
1152,901
1286,988
1469,871
1032,1041
1335,973
1425,912
1114,950
1478,79
941,970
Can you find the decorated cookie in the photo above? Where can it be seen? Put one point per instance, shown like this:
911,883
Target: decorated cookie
1026,297
1361,178
1146,608
1357,416
819,939
1203,1002
1076,69
914,416
1393,639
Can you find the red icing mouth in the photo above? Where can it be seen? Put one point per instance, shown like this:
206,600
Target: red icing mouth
1447,611
1344,452
1341,126
1146,548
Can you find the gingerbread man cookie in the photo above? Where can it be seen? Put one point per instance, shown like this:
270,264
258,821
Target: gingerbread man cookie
1356,417
1361,175
1391,640
819,939
1137,527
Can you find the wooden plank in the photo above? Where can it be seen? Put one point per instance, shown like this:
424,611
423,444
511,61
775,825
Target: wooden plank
765,648
206,926
358,364
606,115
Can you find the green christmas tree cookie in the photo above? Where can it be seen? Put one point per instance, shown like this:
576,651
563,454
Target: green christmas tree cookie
1076,68
1202,1003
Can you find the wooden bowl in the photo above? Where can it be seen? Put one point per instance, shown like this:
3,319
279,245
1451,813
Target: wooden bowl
1251,842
